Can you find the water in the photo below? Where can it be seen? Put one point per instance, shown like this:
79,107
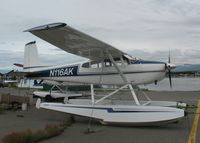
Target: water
178,84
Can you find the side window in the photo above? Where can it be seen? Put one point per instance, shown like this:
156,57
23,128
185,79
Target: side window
94,65
99,65
108,64
86,65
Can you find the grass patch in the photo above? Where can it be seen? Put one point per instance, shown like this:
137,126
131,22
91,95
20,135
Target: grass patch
1,110
29,136
9,107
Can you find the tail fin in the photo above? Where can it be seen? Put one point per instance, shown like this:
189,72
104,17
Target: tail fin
31,57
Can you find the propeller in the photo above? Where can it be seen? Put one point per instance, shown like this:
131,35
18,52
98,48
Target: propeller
170,66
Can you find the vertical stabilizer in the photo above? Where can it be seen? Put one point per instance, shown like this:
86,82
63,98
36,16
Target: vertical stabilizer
31,57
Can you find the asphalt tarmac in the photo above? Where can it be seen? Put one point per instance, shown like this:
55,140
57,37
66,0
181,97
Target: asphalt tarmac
179,132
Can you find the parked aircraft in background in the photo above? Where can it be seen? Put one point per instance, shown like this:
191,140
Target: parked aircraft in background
6,78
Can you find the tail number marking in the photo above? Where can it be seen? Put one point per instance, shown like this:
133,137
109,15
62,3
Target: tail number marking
62,72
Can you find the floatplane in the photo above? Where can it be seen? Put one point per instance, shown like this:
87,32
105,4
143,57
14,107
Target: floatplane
107,65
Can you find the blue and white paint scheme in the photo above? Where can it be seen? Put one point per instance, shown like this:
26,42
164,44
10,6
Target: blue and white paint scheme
97,72
106,65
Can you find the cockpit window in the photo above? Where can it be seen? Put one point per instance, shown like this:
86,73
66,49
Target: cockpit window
136,61
133,61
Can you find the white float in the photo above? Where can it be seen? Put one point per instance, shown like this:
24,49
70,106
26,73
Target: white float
116,114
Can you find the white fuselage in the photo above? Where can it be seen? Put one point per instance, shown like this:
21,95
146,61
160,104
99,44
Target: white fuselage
142,73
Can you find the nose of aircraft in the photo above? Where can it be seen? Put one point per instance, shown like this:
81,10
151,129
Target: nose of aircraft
170,66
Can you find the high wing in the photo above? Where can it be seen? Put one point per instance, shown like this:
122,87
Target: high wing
73,41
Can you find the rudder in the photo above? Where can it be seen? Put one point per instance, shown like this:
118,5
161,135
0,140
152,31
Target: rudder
31,57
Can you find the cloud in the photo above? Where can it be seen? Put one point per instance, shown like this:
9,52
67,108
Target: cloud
149,26
8,57
178,56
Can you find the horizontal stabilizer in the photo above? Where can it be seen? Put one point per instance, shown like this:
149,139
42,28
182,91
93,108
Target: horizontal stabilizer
18,65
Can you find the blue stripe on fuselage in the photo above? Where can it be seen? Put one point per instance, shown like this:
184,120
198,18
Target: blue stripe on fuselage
46,73
73,71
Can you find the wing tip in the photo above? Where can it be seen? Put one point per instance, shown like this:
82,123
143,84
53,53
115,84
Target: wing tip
47,27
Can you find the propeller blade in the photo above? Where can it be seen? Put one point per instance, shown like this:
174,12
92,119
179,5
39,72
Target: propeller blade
170,78
169,70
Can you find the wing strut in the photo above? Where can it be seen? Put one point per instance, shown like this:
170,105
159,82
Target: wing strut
92,92
124,79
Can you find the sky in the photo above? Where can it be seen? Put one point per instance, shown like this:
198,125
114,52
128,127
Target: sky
145,29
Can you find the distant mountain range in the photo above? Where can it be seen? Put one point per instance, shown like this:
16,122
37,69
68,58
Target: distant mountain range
5,70
187,68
